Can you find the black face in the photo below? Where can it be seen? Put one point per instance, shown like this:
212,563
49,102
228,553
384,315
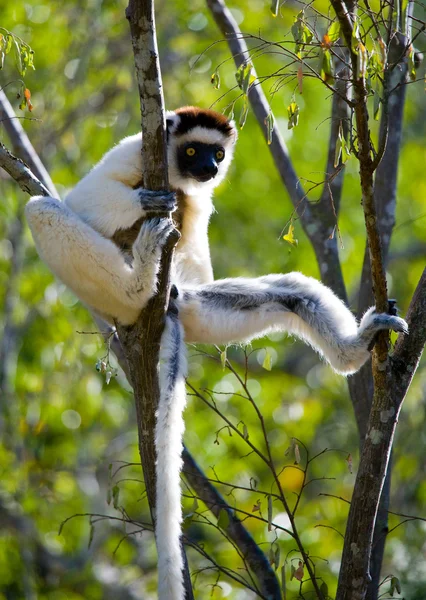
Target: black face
199,161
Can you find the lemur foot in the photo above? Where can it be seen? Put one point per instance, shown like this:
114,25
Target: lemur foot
157,201
153,235
373,322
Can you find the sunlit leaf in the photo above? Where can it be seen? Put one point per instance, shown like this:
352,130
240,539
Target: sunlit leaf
223,358
333,32
267,361
269,122
293,115
289,236
243,114
215,80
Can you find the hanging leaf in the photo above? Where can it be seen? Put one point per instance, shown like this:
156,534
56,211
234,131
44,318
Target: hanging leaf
277,557
115,496
362,61
245,77
245,432
293,115
269,122
349,463
267,361
411,63
333,32
215,80
289,236
256,507
326,66
395,586
223,358
324,589
302,35
299,572
243,114
355,36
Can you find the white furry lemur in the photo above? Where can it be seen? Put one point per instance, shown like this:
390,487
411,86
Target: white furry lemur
101,245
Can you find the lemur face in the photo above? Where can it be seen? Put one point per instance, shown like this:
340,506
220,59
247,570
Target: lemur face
200,148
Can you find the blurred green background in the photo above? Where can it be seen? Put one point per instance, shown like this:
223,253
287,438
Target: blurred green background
62,426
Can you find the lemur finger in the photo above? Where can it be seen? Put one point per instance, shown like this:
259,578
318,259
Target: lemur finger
157,201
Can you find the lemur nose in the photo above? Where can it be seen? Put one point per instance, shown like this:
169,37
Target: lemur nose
210,169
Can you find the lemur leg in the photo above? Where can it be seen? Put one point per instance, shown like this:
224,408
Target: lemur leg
92,266
236,310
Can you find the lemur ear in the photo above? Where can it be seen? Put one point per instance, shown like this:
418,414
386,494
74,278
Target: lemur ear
172,120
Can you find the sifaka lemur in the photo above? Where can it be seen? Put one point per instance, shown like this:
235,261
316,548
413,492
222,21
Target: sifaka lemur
101,245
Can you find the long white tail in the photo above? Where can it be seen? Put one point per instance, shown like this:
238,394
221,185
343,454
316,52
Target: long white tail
168,439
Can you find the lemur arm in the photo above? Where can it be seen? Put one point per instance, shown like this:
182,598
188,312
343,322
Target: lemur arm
110,196
91,265
237,310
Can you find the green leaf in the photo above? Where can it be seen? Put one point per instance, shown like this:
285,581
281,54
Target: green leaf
18,59
355,36
243,114
326,66
411,64
277,557
245,77
223,358
115,495
301,33
245,432
324,589
215,80
337,152
333,32
223,519
293,115
269,122
267,361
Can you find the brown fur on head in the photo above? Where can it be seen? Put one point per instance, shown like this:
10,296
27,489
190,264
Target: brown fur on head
193,116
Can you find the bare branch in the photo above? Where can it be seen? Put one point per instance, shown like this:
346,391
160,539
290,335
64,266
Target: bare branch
19,171
22,145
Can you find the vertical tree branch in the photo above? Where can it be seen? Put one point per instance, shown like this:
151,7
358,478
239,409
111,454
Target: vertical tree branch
141,341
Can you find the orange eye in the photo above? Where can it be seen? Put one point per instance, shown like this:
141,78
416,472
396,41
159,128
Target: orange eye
190,151
220,155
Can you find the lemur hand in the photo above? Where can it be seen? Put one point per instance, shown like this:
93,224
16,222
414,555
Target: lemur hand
157,201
